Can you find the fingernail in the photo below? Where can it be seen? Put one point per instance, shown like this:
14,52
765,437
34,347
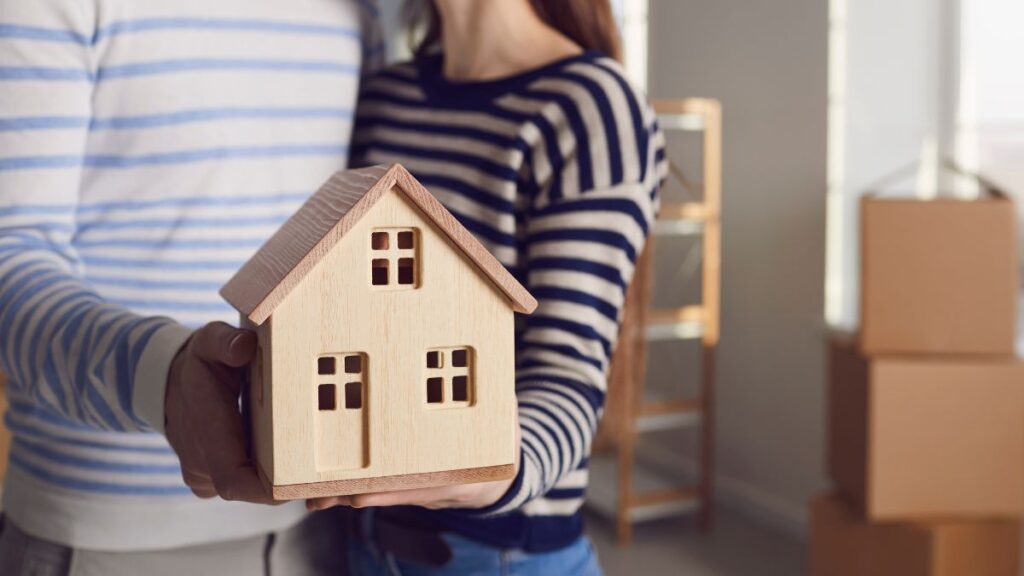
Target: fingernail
235,342
238,344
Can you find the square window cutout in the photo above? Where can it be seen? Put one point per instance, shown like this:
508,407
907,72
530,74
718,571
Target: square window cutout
435,394
379,241
354,395
380,272
325,365
353,364
405,240
460,358
433,359
460,389
406,269
326,399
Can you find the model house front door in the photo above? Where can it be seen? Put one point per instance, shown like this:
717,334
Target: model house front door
342,438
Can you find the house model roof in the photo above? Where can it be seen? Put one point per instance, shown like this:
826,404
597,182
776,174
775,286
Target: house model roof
310,234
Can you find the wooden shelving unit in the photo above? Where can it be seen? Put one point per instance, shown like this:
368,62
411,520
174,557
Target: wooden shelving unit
620,487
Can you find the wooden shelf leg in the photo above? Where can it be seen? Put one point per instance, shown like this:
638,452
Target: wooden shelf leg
707,441
623,520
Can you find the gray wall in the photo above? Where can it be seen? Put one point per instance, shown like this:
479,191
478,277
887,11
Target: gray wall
767,63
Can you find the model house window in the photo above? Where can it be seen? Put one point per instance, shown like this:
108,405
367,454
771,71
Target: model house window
341,377
449,377
394,258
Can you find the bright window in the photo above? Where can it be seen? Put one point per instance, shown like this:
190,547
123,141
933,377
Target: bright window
911,83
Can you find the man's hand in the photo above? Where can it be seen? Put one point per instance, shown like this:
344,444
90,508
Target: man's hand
479,495
204,425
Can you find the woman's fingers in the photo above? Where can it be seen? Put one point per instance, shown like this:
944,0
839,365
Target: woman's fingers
416,497
201,485
314,504
443,497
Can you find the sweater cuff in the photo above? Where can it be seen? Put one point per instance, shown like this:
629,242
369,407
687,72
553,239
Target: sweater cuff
151,374
507,498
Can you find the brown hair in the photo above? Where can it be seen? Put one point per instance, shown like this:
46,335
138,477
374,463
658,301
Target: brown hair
588,23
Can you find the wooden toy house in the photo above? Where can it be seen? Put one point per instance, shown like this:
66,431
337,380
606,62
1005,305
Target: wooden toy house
385,357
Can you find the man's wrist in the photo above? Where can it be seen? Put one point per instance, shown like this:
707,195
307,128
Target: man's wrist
152,373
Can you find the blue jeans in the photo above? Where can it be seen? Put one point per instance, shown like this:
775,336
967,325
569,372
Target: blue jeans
470,558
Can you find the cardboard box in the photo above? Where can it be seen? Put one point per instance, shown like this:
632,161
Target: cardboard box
842,544
938,276
918,438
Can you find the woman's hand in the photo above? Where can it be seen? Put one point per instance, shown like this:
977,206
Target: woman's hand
462,496
479,495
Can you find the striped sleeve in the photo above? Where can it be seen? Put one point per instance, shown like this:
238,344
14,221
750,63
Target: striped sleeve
60,343
584,233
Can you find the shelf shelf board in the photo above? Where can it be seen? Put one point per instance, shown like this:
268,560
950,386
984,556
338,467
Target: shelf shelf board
678,227
675,323
683,314
653,405
691,211
684,122
681,331
667,421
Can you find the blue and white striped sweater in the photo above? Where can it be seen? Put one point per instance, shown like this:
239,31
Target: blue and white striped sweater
556,171
146,150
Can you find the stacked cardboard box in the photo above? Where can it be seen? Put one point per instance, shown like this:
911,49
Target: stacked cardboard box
926,407
847,545
938,277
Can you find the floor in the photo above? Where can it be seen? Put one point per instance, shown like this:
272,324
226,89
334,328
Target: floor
676,548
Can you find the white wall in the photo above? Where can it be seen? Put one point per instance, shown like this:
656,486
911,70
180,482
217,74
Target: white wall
766,62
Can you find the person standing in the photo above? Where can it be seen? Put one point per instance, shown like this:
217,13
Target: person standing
147,148
517,117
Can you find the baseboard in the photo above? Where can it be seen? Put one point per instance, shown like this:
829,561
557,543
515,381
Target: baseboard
738,496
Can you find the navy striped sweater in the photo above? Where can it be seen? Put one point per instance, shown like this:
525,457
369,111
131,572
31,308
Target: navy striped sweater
557,172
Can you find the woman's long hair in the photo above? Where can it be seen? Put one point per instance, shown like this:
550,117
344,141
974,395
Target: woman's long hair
588,23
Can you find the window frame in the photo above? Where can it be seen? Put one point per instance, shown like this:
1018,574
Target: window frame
385,247
448,372
340,377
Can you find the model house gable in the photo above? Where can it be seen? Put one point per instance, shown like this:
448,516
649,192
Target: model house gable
325,219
